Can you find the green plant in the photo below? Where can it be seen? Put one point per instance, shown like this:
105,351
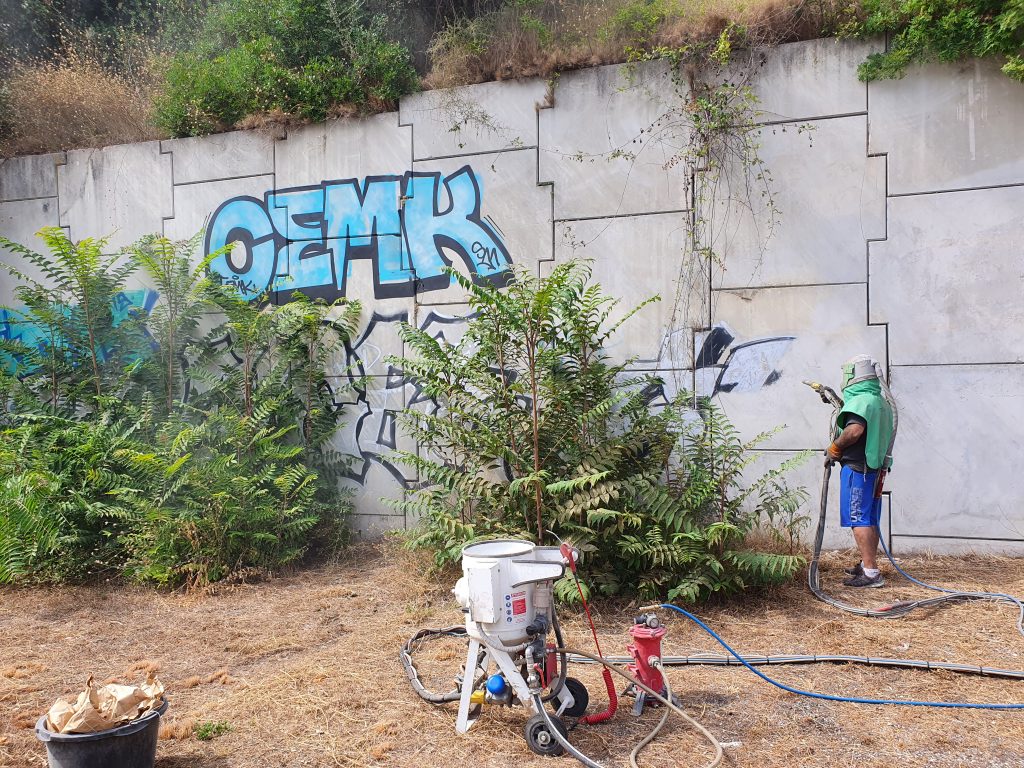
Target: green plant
635,23
173,323
83,353
946,30
299,57
130,446
211,729
69,497
537,433
236,488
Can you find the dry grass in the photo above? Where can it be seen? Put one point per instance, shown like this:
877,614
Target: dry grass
73,103
304,669
540,39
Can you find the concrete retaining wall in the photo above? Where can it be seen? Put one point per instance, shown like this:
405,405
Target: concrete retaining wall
901,234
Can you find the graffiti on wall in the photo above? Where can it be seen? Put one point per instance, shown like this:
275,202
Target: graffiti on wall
306,238
379,391
17,327
723,365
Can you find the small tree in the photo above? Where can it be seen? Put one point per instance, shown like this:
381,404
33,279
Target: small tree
537,432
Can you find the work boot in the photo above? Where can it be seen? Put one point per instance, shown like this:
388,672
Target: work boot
857,570
863,580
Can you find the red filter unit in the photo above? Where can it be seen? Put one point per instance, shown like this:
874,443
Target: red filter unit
647,631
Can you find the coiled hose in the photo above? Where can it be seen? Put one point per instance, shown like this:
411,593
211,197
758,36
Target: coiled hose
896,610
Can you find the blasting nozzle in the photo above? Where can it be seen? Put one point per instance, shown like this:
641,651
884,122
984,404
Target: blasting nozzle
827,394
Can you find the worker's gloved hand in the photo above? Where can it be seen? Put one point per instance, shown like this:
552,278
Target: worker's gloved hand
832,454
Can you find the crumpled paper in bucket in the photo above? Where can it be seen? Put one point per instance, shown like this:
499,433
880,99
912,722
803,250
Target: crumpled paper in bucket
101,707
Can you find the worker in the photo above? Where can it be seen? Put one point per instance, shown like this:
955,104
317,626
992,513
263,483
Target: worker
862,445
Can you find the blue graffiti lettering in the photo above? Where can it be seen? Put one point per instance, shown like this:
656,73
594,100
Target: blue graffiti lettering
305,238
18,328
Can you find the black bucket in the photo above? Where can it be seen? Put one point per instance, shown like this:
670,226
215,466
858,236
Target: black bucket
128,746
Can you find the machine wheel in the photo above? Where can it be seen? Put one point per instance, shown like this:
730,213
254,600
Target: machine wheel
539,737
580,695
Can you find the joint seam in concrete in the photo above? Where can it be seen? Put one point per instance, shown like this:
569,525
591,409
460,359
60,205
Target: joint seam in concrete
621,215
28,199
213,181
475,154
961,365
732,289
813,119
956,538
955,189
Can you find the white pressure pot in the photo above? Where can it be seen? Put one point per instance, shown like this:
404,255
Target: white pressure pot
498,585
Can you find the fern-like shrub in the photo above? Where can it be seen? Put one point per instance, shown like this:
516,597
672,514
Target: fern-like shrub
535,432
137,444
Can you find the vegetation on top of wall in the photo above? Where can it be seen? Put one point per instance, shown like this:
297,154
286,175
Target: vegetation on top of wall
302,58
540,37
114,463
539,434
944,30
82,73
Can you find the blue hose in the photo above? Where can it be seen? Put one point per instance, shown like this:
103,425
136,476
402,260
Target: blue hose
996,596
828,696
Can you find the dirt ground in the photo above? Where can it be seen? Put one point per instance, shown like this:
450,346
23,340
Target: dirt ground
304,671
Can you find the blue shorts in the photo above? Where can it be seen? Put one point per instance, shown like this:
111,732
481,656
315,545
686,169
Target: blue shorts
858,507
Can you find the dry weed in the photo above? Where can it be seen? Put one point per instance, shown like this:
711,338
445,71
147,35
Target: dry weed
73,103
520,40
177,728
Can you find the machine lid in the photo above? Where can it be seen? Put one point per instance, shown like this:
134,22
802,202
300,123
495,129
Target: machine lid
498,548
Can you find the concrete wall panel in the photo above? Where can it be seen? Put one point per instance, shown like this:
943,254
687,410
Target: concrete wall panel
799,81
19,221
958,447
948,279
786,335
949,126
195,203
343,149
829,198
122,191
635,258
488,117
22,178
221,156
609,141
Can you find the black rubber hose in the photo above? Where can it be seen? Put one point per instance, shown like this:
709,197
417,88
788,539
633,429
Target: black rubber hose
721,660
896,610
410,668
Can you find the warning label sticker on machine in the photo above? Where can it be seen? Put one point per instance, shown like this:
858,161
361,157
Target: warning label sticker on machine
518,605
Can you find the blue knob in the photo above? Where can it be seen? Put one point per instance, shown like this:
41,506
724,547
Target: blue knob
496,685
